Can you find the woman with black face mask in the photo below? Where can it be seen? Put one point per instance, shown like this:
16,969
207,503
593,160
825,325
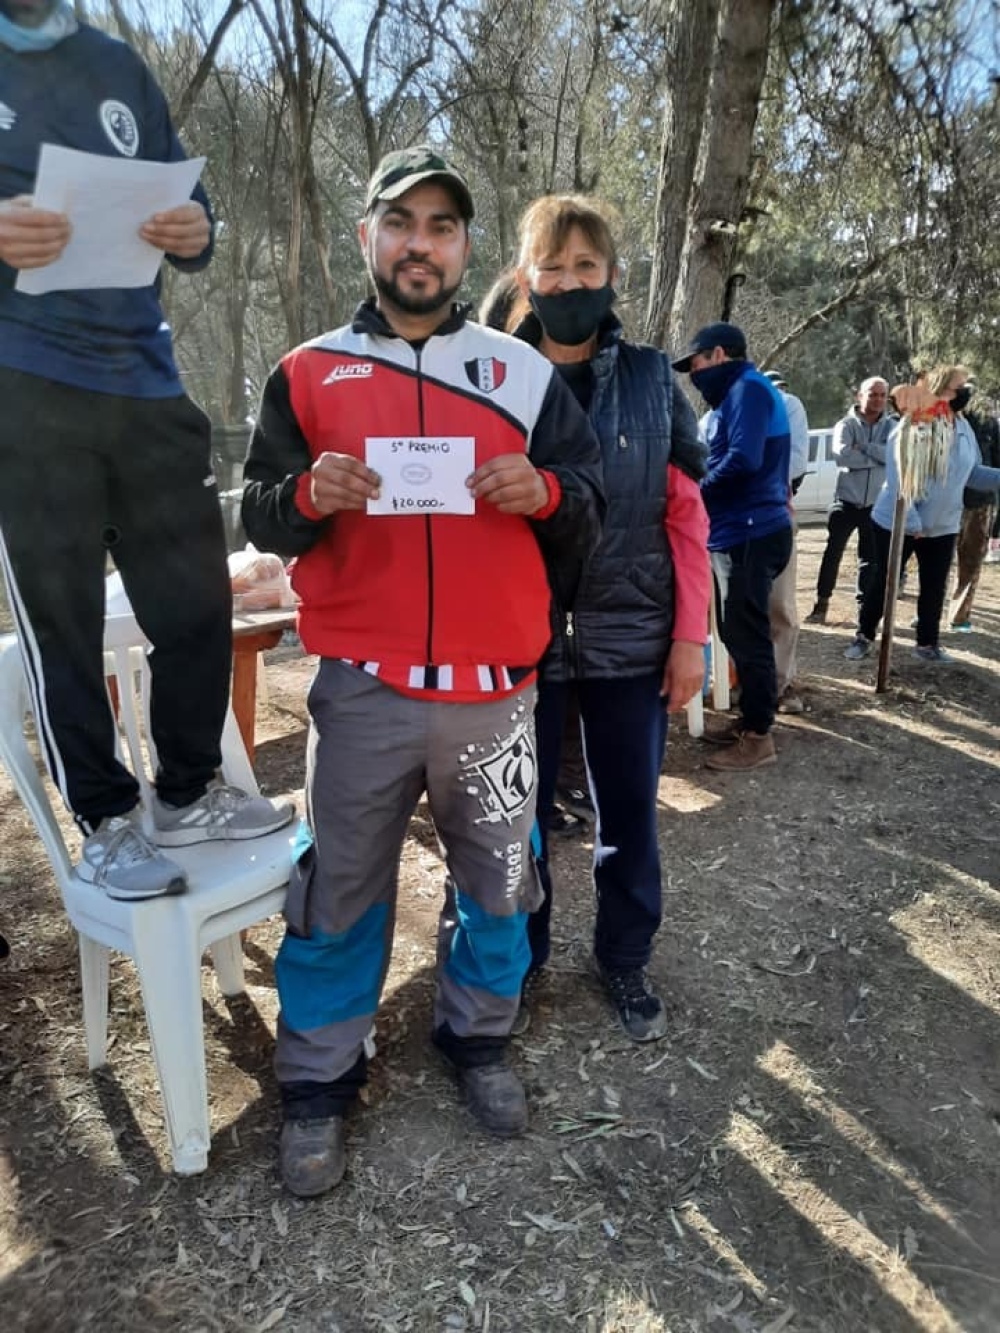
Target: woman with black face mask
628,640
934,514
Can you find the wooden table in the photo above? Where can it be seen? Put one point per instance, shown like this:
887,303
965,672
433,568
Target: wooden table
253,632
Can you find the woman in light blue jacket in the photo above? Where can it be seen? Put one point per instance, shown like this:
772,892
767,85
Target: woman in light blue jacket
932,521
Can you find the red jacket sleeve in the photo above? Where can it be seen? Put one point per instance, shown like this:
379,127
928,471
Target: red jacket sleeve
687,534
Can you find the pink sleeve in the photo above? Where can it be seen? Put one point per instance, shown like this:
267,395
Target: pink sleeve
687,534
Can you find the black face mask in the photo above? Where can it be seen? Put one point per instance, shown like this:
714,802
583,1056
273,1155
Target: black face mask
572,318
962,399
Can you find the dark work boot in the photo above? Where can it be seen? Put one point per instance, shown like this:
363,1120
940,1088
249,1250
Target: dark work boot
311,1155
817,616
494,1095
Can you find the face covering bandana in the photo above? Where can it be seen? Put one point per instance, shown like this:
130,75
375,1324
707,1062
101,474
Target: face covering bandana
962,399
572,318
59,24
713,382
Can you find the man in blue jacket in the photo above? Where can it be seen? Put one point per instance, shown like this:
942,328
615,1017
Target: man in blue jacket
746,493
101,450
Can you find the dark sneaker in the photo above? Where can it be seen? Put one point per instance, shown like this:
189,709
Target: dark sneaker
640,1012
495,1096
522,1020
563,824
223,812
727,733
311,1155
577,801
858,648
121,860
817,616
750,751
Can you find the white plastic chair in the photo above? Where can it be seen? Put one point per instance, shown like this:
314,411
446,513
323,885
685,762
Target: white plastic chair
232,886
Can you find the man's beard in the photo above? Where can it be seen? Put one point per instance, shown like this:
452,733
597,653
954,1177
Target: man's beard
390,292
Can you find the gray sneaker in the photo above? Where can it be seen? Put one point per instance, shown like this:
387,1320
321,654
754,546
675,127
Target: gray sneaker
121,860
223,812
858,648
311,1155
931,653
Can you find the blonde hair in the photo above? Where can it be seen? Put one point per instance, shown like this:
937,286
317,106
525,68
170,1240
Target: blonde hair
545,228
939,378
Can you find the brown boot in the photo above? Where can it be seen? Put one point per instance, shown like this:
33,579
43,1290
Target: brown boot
750,751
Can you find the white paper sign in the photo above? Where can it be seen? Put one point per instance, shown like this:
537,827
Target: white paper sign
422,474
107,199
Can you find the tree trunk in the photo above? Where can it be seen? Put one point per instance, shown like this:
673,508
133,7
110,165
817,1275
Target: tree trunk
685,98
719,189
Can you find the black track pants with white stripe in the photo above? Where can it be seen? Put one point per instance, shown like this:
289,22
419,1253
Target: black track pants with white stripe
83,473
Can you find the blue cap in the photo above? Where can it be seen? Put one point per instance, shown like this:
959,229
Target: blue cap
729,337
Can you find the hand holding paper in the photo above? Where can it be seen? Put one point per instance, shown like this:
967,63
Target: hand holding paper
182,231
109,201
31,237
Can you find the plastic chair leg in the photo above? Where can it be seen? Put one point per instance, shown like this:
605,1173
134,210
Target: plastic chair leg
169,967
696,716
227,956
94,959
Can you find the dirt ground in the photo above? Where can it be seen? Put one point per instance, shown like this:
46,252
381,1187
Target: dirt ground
814,1147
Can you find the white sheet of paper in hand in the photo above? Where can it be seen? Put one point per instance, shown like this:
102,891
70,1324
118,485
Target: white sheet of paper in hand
107,200
422,474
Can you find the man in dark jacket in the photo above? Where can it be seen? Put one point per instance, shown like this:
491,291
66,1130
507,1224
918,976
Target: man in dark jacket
746,494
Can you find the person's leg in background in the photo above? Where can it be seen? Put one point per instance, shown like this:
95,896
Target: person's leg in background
746,632
870,609
784,617
866,553
572,786
840,523
933,556
970,552
624,733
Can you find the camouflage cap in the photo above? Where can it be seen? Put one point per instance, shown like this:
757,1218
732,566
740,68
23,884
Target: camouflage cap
401,170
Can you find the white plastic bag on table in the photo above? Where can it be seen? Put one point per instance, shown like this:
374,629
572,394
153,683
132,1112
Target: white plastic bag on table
260,582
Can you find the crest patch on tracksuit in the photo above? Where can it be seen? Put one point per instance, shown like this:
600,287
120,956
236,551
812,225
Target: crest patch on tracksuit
486,373
120,125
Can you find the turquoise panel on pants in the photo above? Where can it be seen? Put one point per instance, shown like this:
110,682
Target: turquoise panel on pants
326,979
488,953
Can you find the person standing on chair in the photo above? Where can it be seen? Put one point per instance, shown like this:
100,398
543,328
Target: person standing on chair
428,627
859,443
100,449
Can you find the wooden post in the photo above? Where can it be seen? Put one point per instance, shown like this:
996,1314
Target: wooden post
891,593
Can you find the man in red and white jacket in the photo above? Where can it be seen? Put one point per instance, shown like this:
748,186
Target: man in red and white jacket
431,477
